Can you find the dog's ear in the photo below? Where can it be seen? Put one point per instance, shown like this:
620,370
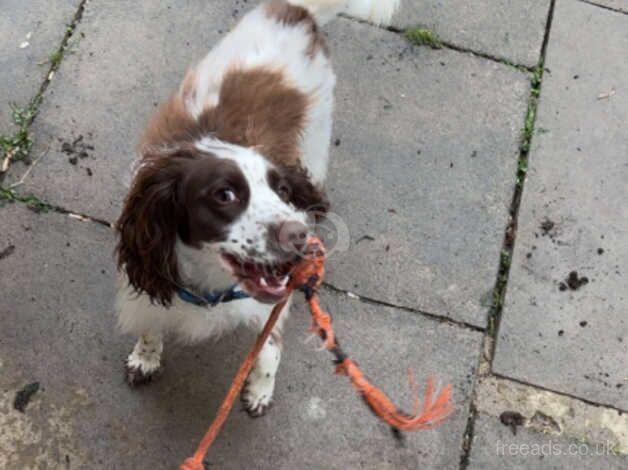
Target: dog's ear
305,195
147,230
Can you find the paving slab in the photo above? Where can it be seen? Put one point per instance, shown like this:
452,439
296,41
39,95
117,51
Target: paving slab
420,133
132,56
553,414
574,218
512,31
495,447
423,175
317,421
28,35
56,325
58,329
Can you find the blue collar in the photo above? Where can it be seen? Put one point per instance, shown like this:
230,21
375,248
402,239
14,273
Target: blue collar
210,298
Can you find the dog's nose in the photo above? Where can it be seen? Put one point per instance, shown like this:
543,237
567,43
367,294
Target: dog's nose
292,236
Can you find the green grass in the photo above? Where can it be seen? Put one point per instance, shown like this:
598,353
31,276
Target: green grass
505,258
33,203
17,145
499,292
423,37
528,128
55,58
537,76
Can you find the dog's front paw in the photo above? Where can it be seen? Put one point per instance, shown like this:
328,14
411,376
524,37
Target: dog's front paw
135,376
141,369
257,395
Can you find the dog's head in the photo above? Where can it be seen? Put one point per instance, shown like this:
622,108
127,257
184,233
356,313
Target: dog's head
237,208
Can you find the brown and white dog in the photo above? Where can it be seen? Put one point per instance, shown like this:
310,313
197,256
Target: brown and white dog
229,169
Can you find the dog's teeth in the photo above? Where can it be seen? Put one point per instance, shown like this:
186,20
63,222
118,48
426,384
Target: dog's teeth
284,281
263,282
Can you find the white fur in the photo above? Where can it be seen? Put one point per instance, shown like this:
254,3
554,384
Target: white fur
260,386
376,11
188,322
146,355
258,40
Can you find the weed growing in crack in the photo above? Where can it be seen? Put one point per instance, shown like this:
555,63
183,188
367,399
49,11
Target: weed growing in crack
537,76
24,116
423,37
55,58
527,133
505,259
499,292
17,146
35,204
529,129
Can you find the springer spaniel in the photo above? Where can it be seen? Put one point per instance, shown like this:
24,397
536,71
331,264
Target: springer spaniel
230,171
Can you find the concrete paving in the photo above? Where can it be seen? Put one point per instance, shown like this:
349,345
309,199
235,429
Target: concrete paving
496,447
401,177
423,171
56,331
509,30
28,36
552,416
441,275
85,99
561,335
61,334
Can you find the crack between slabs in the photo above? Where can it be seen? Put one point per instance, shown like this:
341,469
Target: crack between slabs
431,316
508,244
557,392
604,7
8,196
448,45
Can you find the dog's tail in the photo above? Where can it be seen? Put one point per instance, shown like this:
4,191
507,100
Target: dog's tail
379,12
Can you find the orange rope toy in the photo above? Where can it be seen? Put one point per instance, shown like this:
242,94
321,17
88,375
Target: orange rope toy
307,276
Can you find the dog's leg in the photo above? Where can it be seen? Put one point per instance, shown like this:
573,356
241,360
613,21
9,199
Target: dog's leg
258,391
144,362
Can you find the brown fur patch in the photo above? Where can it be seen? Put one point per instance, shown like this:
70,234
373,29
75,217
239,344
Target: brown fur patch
298,189
172,124
174,194
296,15
256,109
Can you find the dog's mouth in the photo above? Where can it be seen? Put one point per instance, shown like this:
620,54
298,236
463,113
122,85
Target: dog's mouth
265,282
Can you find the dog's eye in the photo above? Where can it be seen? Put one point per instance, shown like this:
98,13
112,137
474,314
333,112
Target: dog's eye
284,191
225,196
